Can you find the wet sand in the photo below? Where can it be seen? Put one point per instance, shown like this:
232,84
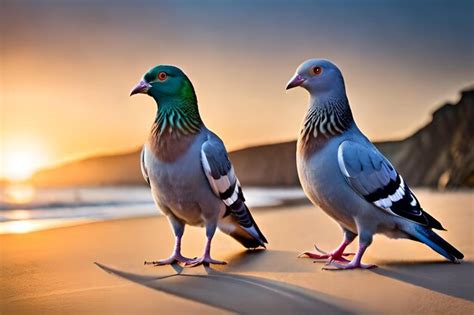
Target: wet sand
55,271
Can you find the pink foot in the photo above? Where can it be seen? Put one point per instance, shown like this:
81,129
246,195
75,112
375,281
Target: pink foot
204,260
336,256
352,265
175,258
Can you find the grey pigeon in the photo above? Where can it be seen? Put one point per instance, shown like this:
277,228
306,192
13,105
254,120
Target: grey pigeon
343,173
186,165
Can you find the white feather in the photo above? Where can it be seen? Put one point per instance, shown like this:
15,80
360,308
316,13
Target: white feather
222,184
383,203
402,183
394,197
207,171
234,197
340,160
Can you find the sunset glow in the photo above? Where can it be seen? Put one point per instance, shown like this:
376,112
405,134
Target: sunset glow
20,161
68,87
17,227
19,193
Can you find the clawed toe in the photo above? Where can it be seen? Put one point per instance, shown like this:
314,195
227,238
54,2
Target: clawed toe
168,261
333,266
206,261
312,255
322,254
339,259
161,262
325,255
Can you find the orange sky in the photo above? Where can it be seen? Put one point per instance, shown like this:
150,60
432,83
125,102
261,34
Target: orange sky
67,70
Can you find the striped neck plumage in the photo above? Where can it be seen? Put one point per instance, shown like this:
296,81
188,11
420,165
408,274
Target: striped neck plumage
327,117
177,116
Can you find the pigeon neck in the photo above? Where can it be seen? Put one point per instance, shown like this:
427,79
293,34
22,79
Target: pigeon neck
178,116
328,116
332,95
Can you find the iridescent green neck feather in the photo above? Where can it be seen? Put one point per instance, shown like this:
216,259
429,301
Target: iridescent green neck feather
178,113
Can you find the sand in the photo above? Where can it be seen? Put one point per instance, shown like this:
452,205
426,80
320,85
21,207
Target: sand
54,271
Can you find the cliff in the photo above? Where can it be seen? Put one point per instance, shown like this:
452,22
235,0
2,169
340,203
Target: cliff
439,155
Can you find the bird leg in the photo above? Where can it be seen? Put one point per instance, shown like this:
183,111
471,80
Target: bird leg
206,258
175,257
338,254
356,261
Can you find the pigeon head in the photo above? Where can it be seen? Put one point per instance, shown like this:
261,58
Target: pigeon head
320,77
164,83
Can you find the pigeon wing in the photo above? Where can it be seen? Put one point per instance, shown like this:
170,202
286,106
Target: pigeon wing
225,185
373,177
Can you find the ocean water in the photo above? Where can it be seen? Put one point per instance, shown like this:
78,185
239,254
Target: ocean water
26,209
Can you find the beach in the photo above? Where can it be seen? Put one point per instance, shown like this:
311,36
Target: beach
97,268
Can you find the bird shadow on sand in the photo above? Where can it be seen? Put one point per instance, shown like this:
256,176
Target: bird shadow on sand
440,276
266,261
234,292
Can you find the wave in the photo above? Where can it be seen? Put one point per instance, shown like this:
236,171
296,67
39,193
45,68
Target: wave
65,206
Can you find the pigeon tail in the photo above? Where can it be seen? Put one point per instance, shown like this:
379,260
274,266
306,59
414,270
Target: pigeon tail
437,243
247,240
242,228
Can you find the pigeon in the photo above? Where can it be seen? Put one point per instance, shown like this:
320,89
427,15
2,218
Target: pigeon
187,167
344,174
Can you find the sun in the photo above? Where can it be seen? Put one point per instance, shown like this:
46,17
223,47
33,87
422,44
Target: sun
18,166
20,161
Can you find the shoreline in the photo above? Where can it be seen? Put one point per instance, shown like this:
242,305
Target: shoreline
21,219
91,208
66,223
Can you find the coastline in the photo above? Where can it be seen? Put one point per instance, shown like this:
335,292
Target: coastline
54,208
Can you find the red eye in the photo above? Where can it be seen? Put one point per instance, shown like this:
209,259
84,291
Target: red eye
162,76
317,70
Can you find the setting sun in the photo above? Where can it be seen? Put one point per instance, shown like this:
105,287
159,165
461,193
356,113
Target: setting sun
19,161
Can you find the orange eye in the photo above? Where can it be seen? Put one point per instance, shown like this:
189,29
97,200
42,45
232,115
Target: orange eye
162,76
317,70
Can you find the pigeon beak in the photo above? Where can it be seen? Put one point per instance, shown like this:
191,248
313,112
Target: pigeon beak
142,87
297,80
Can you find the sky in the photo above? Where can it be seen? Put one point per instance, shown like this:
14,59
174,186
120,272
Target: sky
67,68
